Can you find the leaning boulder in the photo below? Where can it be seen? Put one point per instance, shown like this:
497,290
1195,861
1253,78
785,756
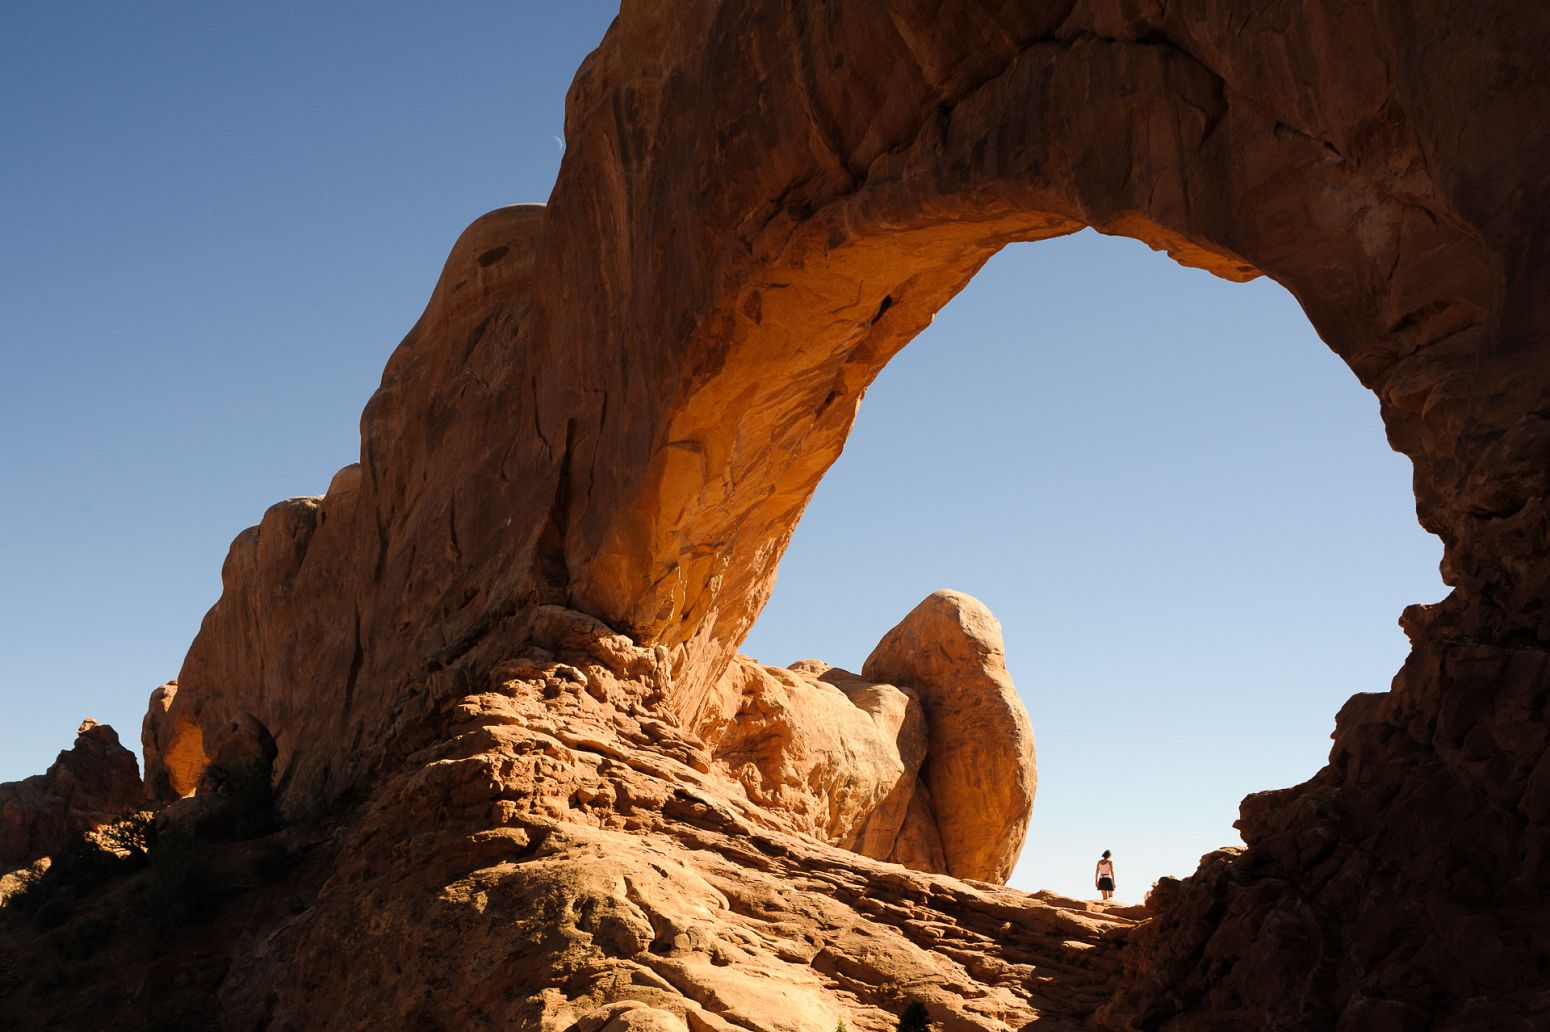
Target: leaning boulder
979,769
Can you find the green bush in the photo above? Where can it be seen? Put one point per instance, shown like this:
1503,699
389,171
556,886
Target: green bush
181,886
915,1018
131,838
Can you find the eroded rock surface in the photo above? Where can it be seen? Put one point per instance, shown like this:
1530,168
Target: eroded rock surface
927,760
564,858
174,758
96,781
979,767
840,754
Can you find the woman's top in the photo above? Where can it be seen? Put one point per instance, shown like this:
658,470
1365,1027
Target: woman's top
1106,867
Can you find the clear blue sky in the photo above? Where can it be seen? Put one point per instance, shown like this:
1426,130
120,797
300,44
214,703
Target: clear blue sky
219,219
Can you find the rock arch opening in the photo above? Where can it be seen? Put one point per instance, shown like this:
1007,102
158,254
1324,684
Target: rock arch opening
597,440
1178,503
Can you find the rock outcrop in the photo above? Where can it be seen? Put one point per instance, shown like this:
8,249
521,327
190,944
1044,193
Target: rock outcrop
506,623
174,763
979,773
841,755
94,782
926,761
563,856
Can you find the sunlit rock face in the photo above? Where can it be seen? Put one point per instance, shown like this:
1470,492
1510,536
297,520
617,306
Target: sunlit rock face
513,624
927,760
979,774
558,855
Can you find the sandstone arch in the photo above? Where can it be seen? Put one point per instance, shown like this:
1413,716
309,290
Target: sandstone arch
882,216
620,404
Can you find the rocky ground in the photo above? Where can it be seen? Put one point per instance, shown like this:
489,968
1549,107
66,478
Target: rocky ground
567,860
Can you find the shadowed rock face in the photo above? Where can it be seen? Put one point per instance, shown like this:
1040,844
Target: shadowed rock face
96,781
615,408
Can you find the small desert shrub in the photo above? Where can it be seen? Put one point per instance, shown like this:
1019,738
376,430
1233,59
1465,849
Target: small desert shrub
181,886
91,858
15,885
131,838
915,1018
88,861
272,862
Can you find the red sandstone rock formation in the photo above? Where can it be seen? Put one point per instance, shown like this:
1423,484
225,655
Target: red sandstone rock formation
840,754
927,761
557,854
96,781
979,768
173,764
619,405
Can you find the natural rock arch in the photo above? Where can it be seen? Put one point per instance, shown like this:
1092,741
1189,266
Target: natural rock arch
769,329
622,402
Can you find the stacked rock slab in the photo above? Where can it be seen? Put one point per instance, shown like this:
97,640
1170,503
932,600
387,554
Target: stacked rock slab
621,403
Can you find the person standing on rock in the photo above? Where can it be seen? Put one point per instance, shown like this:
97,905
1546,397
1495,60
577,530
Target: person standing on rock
1103,876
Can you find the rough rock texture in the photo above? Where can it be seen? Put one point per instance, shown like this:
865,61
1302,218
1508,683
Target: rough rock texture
96,781
926,761
840,754
556,853
173,764
621,403
979,768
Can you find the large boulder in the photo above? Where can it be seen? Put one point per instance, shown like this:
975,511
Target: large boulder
927,760
980,769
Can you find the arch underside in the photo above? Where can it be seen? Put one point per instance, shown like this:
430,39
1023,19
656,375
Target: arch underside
809,297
